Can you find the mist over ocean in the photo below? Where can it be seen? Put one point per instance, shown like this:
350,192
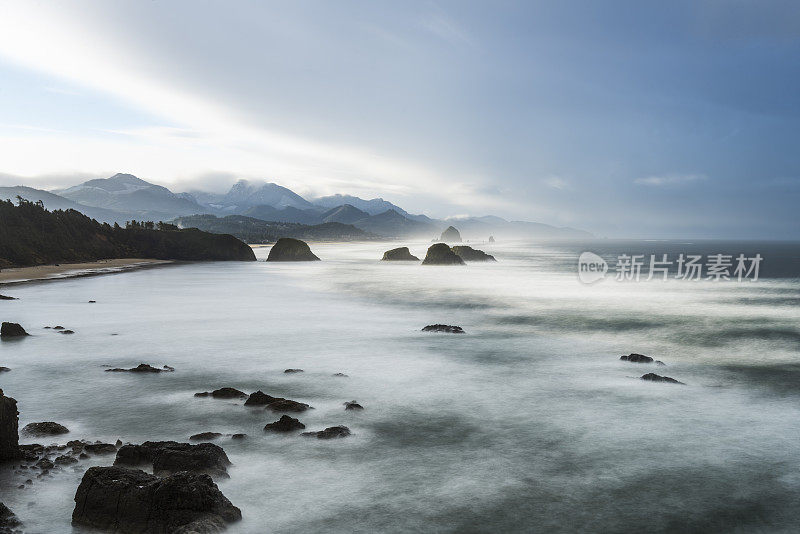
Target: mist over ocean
529,422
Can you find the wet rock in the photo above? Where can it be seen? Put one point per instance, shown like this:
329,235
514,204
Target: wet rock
329,433
652,377
44,464
5,297
399,254
636,358
4,369
8,521
47,428
31,452
100,448
141,368
92,301
441,254
9,429
117,499
451,235
340,375
449,329
12,330
66,459
66,332
238,436
293,371
353,405
205,436
171,457
289,249
471,254
59,327
259,398
286,405
223,393
659,362
284,424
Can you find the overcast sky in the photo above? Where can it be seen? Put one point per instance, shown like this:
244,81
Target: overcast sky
641,119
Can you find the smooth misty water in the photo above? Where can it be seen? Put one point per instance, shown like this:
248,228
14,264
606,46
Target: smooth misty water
527,423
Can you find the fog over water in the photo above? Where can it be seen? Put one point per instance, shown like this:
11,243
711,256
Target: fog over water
529,422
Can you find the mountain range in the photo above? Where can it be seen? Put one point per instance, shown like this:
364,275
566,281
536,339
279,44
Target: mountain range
124,197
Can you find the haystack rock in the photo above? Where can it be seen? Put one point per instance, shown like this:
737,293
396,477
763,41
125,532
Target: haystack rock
451,235
289,249
399,254
441,254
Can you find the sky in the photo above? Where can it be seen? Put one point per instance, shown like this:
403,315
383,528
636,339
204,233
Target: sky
627,119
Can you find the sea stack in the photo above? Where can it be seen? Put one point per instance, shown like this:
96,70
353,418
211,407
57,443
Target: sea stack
12,330
441,254
399,254
491,239
289,249
471,254
451,235
9,428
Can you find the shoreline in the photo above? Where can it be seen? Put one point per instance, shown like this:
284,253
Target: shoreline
64,271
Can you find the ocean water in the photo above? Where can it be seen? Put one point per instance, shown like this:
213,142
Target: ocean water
528,423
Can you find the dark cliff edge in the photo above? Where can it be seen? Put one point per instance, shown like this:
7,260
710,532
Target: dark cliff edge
31,235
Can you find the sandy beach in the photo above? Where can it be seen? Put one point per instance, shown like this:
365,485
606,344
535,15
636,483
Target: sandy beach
71,270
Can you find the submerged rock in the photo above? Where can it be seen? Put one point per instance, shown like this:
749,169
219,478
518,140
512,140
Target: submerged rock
4,369
652,377
441,254
331,432
238,436
353,405
290,249
47,428
293,371
117,499
9,429
341,375
451,235
636,358
170,457
259,398
66,459
5,297
286,405
471,254
12,330
67,332
449,329
285,424
205,436
142,368
399,254
223,393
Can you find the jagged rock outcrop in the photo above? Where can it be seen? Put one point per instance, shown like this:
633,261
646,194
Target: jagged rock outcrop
9,524
223,393
441,254
636,358
285,424
286,405
293,371
259,398
353,405
331,432
170,457
446,328
399,254
6,297
116,499
290,249
472,254
142,368
652,377
9,429
47,428
12,330
451,235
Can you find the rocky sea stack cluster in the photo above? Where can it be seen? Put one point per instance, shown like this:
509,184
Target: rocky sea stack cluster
441,254
470,254
290,249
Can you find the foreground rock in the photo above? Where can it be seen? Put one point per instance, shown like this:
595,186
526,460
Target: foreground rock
8,521
289,249
9,429
117,499
472,254
451,235
441,254
47,428
285,424
449,329
399,254
167,457
652,377
142,368
223,393
12,330
329,433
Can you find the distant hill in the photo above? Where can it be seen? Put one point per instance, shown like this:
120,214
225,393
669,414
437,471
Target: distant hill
287,214
245,194
129,194
252,230
31,235
390,223
53,202
345,213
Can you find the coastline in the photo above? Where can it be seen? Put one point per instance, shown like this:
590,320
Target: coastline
39,273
